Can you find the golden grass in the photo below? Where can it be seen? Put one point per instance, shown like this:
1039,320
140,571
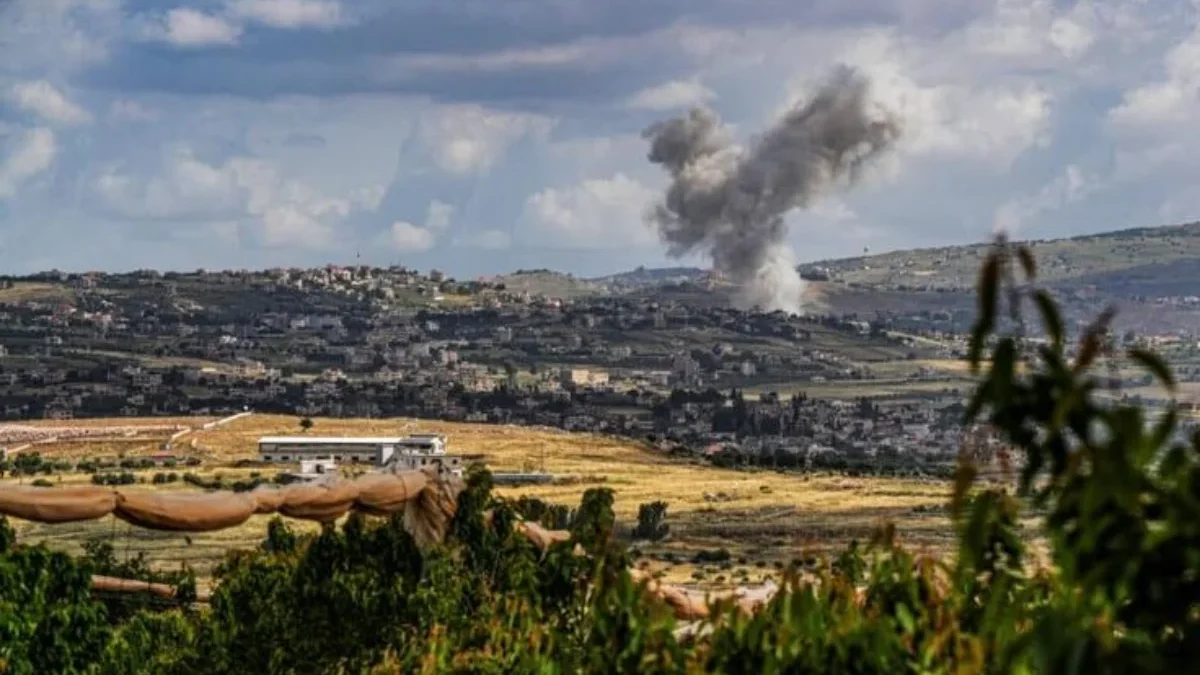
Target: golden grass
31,291
764,515
179,420
953,366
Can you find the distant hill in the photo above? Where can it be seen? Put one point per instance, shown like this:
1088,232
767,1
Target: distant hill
644,276
1141,261
562,285
550,284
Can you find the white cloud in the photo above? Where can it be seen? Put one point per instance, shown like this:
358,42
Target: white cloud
488,240
973,99
439,215
1163,105
406,236
289,13
44,100
289,213
468,138
125,110
57,36
188,28
671,95
1024,28
368,197
1068,188
598,211
33,154
995,123
183,188
411,238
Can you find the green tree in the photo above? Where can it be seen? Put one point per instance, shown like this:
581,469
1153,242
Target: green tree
651,521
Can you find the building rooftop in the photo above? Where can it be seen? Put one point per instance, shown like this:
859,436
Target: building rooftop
344,440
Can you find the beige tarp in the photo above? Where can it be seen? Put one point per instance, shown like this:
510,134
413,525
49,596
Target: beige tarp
322,502
428,516
692,605
185,512
542,537
688,605
55,504
267,499
382,494
427,499
118,585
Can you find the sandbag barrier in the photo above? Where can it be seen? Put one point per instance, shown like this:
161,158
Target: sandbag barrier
426,499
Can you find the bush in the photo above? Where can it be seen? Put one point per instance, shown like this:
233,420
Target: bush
713,556
122,478
650,521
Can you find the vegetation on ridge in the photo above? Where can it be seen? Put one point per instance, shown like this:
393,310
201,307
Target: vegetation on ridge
1118,495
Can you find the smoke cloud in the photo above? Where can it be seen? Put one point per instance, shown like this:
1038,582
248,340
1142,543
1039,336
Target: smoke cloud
729,201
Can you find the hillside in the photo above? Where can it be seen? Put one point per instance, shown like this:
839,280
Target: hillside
1146,261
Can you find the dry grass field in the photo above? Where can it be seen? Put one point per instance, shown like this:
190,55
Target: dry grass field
763,518
30,291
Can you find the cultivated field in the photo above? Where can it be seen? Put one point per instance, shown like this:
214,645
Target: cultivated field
761,517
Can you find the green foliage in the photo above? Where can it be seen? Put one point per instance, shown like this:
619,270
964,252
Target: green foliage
122,478
651,523
592,526
1116,492
48,621
1120,490
553,516
100,556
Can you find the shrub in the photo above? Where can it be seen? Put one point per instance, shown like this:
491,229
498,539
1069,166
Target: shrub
650,521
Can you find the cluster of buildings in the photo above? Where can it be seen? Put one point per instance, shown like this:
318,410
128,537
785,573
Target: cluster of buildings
369,342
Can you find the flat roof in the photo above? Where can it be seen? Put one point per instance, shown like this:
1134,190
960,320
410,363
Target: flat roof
341,440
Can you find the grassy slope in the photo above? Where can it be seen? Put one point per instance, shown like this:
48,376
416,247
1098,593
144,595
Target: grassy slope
1059,260
29,291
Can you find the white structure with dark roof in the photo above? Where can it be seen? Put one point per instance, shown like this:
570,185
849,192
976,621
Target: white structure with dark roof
400,452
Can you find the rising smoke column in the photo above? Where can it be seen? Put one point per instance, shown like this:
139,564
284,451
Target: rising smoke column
730,201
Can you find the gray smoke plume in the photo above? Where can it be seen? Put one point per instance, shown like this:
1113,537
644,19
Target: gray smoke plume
730,201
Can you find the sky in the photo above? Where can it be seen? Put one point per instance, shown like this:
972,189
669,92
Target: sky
483,136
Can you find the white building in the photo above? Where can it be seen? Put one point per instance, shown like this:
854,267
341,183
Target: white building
401,452
316,468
